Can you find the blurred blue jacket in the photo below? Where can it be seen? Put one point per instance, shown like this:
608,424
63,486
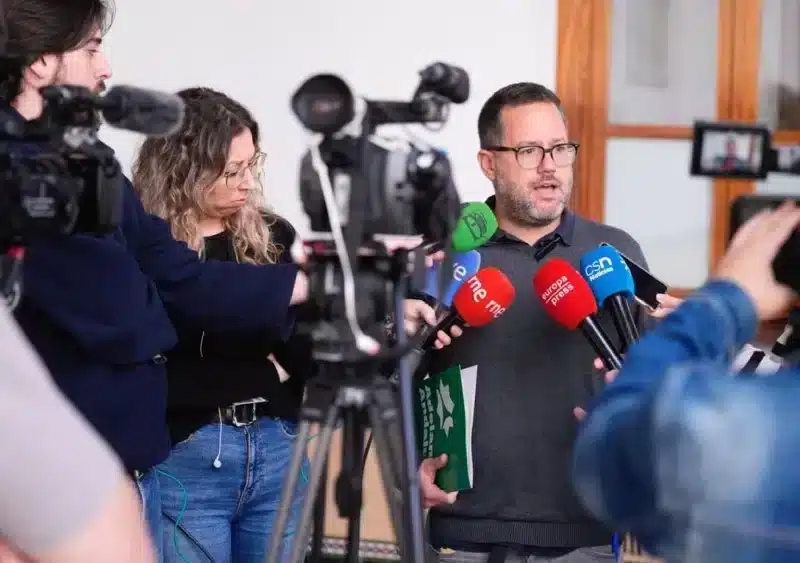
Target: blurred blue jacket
700,466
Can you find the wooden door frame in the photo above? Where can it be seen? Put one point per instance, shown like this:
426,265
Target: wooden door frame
583,61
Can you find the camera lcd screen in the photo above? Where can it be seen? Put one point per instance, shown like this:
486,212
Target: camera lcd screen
730,150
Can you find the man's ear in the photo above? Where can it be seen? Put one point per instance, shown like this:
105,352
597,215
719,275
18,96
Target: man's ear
486,162
42,72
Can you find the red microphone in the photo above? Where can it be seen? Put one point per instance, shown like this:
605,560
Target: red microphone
569,300
480,300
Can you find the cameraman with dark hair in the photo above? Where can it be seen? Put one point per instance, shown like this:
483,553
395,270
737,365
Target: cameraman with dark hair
93,306
700,465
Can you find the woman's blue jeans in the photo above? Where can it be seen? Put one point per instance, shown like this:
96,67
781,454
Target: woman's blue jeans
226,514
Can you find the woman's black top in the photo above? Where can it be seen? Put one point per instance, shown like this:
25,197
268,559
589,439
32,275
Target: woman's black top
209,370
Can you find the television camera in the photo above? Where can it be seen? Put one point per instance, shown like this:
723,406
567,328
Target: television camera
743,151
58,178
370,201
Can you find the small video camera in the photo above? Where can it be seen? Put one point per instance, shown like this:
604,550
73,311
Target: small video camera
746,152
732,150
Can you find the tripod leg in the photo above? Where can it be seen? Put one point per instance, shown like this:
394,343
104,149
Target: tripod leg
287,494
318,464
350,482
390,473
319,518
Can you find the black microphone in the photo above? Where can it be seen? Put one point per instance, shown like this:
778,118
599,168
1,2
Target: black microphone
143,111
611,283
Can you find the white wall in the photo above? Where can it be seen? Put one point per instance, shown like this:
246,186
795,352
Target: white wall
259,51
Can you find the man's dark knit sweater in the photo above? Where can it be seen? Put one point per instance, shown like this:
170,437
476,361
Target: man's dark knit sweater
531,374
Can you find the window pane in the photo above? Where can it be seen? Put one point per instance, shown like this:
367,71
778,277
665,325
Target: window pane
663,61
650,194
779,79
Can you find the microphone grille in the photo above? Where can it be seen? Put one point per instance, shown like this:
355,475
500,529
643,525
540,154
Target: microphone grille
565,295
482,298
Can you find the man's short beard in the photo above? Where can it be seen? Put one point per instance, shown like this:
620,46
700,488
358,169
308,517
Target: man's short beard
522,213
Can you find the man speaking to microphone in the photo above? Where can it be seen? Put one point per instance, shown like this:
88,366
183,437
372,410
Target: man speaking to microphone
531,372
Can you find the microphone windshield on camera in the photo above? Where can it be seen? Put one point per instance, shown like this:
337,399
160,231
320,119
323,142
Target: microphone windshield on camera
476,225
447,80
607,274
566,296
141,110
482,298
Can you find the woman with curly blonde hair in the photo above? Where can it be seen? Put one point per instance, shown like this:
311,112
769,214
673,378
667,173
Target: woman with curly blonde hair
231,410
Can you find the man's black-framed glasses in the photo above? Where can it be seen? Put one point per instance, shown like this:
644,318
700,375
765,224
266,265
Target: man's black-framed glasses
531,156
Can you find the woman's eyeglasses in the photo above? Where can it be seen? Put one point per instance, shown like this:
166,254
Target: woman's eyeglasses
234,178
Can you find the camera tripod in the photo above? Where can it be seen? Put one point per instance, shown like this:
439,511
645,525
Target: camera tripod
348,393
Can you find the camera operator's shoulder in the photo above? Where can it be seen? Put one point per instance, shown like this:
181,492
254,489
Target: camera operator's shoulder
616,237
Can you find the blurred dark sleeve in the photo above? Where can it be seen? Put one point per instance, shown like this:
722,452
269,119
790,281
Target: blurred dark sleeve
293,354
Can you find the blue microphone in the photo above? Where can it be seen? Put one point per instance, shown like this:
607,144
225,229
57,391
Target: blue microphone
612,284
465,264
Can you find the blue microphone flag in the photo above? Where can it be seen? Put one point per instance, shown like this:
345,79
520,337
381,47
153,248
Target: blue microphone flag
607,273
465,264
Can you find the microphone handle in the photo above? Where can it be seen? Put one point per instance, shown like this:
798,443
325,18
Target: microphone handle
623,320
429,332
602,345
428,335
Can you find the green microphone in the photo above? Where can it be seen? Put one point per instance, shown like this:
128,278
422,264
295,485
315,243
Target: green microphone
475,226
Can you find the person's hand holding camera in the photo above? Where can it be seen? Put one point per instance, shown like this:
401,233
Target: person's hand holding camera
748,261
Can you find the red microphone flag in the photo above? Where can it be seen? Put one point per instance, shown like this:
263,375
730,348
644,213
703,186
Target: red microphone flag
566,296
483,297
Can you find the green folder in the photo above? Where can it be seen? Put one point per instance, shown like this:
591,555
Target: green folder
444,412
